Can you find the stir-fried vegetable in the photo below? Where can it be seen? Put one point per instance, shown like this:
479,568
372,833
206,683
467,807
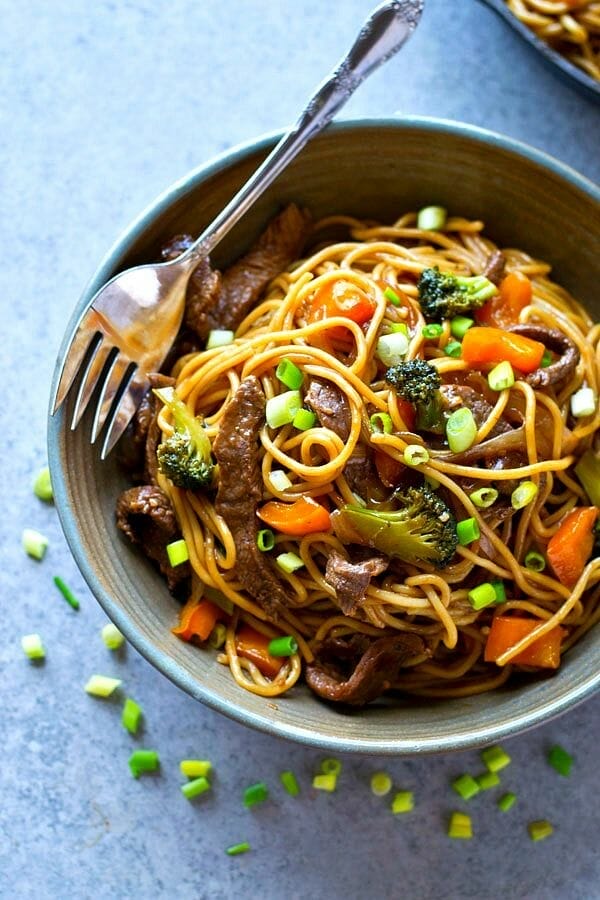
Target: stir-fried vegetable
570,547
482,346
418,382
506,631
197,620
185,456
504,308
303,516
421,528
443,295
254,646
341,298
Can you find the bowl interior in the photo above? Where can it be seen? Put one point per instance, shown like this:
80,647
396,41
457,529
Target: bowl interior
374,169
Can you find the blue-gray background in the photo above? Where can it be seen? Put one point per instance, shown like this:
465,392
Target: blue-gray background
102,105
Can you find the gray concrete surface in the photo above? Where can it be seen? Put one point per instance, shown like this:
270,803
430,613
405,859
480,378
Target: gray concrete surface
102,105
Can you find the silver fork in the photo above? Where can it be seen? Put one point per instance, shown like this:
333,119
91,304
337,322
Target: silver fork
130,324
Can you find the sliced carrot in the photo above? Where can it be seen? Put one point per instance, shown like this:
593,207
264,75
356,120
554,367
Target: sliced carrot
483,345
390,470
303,516
254,646
571,546
197,619
341,298
504,308
506,631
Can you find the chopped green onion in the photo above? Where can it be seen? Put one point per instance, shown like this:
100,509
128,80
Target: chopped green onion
34,543
255,793
432,331
539,829
453,349
523,494
112,637
403,802
535,561
195,787
131,716
460,826
461,429
290,783
560,760
289,562
500,591
236,849
218,636
178,552
265,540
466,786
501,377
142,761
495,758
484,497
304,419
483,595
325,782
101,685
42,486
507,801
583,403
432,483
219,337
467,531
459,326
546,359
279,480
391,295
416,455
381,784
282,408
289,374
381,423
588,472
286,645
431,218
487,780
32,646
396,327
195,768
66,592
392,348
331,766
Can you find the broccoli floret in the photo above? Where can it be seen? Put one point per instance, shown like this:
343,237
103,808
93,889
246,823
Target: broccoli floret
419,382
443,294
185,456
422,529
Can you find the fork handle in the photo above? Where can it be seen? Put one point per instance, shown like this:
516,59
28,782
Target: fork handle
382,35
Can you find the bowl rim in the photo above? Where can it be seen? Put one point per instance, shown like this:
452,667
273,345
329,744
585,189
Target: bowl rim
559,64
474,736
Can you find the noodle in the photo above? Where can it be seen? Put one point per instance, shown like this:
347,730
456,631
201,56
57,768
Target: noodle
572,27
407,598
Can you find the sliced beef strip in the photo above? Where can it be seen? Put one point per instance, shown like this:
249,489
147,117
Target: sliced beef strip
494,267
146,516
236,450
456,395
223,301
333,412
330,405
137,447
358,669
350,580
568,354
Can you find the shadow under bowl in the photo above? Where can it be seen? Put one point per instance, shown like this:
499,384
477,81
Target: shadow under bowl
376,169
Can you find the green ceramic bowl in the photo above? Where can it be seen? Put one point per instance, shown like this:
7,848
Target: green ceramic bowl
368,168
